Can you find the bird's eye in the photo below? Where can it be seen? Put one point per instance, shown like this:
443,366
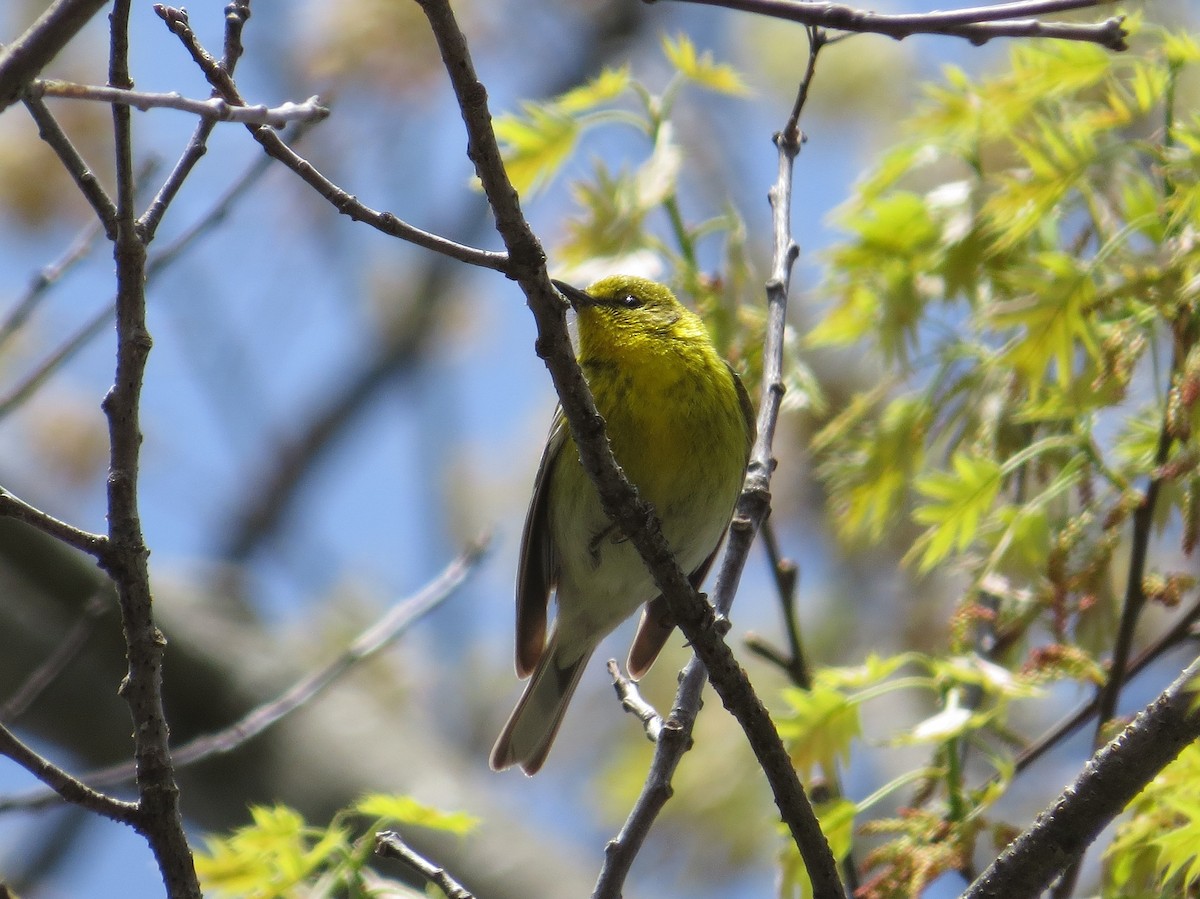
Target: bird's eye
629,301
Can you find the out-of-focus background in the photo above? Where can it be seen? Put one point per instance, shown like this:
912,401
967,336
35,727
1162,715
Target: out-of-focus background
331,415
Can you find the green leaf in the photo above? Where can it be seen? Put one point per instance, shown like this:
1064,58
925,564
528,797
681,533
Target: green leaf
959,499
701,68
269,858
406,810
1051,316
603,89
821,725
535,145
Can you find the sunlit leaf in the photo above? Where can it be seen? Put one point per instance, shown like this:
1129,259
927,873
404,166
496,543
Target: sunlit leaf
406,810
701,68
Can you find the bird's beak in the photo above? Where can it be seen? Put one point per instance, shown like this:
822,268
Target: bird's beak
574,295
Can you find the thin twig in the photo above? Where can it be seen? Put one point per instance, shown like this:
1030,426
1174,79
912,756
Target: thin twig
795,663
236,15
632,702
388,844
977,25
215,108
1111,778
46,278
24,58
85,179
54,665
342,201
101,321
159,818
752,509
95,545
63,784
378,636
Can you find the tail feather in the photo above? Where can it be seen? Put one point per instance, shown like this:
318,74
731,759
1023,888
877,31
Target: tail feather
530,731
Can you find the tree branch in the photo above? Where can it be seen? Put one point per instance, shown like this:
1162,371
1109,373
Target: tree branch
64,653
24,58
236,14
159,819
388,844
95,545
343,202
85,179
214,108
977,25
377,637
74,791
1113,777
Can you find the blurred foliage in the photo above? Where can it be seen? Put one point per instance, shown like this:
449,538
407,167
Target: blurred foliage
1156,851
280,855
1024,266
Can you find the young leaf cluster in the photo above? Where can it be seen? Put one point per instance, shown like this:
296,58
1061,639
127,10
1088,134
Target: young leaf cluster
280,856
937,831
1025,267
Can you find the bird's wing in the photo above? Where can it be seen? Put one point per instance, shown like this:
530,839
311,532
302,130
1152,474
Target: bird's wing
537,566
747,409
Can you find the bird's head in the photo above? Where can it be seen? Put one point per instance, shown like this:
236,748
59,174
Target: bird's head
627,313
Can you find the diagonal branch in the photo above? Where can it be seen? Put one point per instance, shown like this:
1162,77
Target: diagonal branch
24,58
388,844
13,507
69,788
620,501
342,201
1113,777
380,635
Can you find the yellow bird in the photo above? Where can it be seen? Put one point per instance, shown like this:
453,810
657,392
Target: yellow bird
680,425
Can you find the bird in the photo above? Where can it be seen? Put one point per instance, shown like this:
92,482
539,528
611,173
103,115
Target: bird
680,425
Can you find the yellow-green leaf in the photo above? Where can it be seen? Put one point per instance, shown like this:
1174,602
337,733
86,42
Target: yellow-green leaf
701,68
958,500
406,810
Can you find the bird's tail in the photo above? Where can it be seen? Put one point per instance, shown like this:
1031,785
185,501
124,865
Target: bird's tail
531,728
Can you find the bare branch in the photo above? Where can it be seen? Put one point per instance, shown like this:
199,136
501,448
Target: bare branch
74,791
24,58
95,545
85,179
632,702
377,637
342,201
389,845
215,108
44,279
159,819
977,25
236,15
1113,777
66,651
101,321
